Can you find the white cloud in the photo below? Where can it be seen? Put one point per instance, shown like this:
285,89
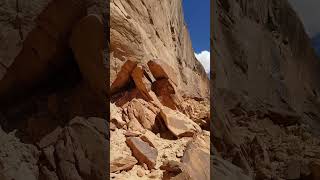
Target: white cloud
204,59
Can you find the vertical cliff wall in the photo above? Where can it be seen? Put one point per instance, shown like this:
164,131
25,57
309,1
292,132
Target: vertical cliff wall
159,94
146,30
53,89
266,81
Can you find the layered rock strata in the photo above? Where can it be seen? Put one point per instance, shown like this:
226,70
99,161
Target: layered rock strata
265,76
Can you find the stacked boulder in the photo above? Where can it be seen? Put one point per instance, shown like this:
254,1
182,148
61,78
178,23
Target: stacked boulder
147,111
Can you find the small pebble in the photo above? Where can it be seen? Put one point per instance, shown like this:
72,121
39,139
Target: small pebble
140,173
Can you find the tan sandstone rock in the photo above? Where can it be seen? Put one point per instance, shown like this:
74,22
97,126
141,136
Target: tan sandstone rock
178,123
161,70
141,82
122,163
143,151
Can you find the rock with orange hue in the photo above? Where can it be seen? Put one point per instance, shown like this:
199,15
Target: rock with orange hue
167,93
196,159
259,153
123,76
143,112
161,70
116,116
124,97
179,124
150,138
122,163
198,111
141,81
143,152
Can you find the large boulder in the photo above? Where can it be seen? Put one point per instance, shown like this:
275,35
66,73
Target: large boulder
143,151
178,123
18,160
196,158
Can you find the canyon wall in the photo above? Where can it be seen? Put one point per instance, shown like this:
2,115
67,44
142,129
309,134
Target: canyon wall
266,87
159,94
145,30
53,122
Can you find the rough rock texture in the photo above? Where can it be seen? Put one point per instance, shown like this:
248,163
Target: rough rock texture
18,160
159,92
53,89
144,30
266,118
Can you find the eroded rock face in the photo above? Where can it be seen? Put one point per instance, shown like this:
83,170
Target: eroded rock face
122,164
259,48
55,50
154,80
18,160
144,31
179,124
143,151
196,158
79,150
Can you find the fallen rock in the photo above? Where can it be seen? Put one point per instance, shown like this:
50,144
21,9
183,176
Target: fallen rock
50,138
161,70
140,173
143,112
69,170
172,166
179,124
150,138
196,158
222,169
49,154
123,77
167,93
143,152
45,173
285,118
132,133
122,163
198,111
127,96
259,153
116,116
141,82
17,160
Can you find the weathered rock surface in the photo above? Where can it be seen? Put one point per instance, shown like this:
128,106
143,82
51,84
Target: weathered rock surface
178,123
222,169
146,30
122,164
18,160
154,80
196,158
53,69
161,70
143,151
266,86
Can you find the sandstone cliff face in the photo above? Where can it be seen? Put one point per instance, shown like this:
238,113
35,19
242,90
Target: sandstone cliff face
159,94
144,30
53,89
266,86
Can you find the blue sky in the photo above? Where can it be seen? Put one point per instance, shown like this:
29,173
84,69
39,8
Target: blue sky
197,18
